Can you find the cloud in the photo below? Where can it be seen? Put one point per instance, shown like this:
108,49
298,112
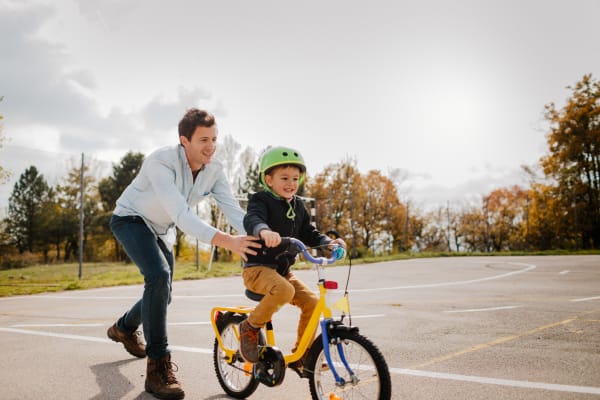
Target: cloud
425,195
38,85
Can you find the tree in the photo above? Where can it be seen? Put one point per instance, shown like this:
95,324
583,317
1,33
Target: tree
236,163
377,214
547,227
471,228
434,236
110,188
505,216
573,161
69,199
252,181
24,222
339,195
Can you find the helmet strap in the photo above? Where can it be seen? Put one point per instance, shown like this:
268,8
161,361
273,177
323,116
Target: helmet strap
291,213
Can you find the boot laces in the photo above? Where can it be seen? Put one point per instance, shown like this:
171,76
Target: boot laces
169,369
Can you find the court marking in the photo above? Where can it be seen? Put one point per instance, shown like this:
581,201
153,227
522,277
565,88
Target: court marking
502,382
585,299
528,267
65,297
482,309
501,340
566,271
398,371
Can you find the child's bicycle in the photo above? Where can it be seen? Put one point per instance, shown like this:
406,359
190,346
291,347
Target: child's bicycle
340,363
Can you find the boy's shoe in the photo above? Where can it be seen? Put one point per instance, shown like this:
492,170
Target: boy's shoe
132,342
160,379
249,337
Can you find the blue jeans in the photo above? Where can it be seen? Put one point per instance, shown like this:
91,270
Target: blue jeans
155,262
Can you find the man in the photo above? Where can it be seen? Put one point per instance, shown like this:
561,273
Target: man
171,182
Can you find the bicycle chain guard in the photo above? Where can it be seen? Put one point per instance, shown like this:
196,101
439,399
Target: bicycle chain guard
270,368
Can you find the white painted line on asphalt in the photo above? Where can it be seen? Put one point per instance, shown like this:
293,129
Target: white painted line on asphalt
63,297
400,371
502,382
54,325
367,316
191,349
57,335
566,271
528,267
482,309
585,299
208,296
189,323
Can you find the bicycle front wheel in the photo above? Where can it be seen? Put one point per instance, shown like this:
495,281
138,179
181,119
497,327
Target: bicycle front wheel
365,372
235,376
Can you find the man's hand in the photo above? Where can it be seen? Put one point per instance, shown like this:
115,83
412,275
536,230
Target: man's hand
240,244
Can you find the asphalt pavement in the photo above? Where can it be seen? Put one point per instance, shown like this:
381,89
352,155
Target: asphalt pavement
450,328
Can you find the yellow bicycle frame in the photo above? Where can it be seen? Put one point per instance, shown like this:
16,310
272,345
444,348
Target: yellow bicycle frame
322,308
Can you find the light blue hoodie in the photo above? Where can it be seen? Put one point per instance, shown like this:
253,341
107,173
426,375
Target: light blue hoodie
164,194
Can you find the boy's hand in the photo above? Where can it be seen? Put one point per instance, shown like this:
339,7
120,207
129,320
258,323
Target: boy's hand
271,239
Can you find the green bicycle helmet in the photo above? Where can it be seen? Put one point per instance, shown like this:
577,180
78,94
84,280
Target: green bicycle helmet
274,156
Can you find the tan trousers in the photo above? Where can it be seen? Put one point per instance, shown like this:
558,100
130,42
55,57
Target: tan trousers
278,290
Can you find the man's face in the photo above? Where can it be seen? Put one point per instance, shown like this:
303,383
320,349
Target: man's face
202,146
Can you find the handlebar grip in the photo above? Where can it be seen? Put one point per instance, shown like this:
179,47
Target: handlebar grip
339,253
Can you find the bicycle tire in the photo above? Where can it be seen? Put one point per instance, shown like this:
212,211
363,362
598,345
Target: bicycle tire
235,380
363,357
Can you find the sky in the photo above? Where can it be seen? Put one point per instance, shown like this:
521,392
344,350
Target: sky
451,94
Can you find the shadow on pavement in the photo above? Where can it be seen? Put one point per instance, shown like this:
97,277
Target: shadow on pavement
112,383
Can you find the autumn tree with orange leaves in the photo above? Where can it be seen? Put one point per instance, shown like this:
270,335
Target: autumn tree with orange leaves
364,209
573,163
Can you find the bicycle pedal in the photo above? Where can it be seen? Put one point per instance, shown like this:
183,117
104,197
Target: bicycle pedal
297,369
248,368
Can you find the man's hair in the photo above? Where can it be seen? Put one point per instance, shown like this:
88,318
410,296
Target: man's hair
192,119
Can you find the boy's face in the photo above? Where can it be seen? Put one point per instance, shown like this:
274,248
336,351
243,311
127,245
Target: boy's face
200,149
284,181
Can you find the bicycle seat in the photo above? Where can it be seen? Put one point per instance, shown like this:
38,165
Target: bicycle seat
253,295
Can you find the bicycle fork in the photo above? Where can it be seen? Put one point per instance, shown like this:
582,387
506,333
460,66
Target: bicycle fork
327,326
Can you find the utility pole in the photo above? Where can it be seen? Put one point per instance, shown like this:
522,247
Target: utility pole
197,249
81,215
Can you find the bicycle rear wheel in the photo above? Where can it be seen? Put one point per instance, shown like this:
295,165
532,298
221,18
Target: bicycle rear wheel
371,377
235,377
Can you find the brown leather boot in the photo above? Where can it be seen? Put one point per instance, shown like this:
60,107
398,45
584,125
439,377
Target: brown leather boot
132,342
249,338
161,381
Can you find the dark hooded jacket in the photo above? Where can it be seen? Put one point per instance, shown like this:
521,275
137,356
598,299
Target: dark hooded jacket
268,211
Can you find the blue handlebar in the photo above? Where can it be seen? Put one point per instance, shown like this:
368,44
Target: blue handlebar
337,253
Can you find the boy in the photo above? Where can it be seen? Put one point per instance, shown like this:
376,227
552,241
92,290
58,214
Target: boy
274,212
